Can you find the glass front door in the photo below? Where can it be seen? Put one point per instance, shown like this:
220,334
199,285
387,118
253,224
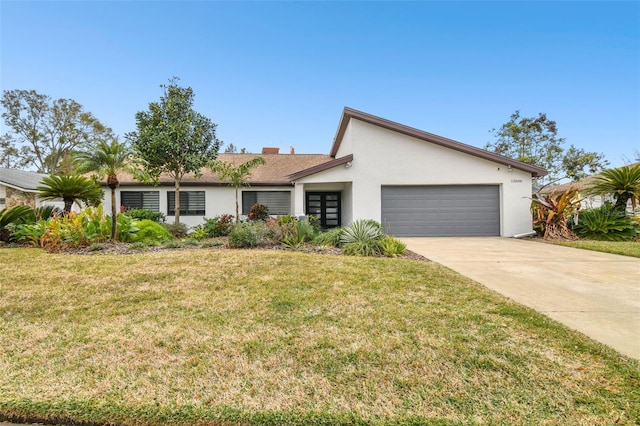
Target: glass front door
326,207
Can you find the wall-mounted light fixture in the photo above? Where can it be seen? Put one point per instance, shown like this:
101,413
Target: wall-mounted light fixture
349,164
510,170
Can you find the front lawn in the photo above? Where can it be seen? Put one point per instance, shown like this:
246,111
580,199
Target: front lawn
215,337
625,248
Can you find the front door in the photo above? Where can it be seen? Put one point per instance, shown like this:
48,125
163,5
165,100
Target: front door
326,207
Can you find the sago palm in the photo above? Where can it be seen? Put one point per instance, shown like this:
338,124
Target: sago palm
70,188
107,159
236,176
623,183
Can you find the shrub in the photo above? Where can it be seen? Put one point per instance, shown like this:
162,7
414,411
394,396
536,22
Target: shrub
248,234
30,233
177,230
173,244
297,233
329,238
142,214
258,212
552,211
362,238
605,224
199,233
9,218
218,226
392,247
97,247
212,243
126,230
149,231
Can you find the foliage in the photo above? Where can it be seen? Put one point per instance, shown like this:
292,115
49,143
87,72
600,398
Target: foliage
258,212
362,238
142,214
330,237
624,248
149,231
623,183
127,228
71,188
12,216
291,232
177,230
47,130
535,140
551,212
173,138
392,247
236,176
12,156
75,230
107,159
606,224
218,226
247,234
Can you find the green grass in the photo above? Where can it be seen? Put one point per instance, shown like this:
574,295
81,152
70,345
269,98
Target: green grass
625,248
226,337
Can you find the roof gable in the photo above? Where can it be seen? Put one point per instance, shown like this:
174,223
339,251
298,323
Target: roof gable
349,114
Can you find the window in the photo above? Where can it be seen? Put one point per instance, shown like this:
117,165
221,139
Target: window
2,203
279,202
149,200
191,203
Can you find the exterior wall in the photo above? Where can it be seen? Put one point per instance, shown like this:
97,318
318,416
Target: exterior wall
3,194
384,157
14,197
219,200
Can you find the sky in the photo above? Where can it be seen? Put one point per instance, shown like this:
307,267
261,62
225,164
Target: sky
279,74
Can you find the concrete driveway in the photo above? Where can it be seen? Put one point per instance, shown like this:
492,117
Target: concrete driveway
595,293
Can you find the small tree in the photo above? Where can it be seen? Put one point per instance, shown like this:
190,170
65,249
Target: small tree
623,183
107,159
174,139
236,176
70,188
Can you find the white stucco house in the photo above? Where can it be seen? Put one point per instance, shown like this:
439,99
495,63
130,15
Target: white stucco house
413,182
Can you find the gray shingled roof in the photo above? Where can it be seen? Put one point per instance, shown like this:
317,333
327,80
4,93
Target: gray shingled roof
24,180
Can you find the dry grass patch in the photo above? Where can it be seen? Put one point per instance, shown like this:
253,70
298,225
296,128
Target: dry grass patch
264,337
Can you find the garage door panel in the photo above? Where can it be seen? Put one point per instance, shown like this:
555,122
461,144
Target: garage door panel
443,210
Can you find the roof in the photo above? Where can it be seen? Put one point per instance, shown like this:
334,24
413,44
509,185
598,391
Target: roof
579,185
21,179
349,114
277,170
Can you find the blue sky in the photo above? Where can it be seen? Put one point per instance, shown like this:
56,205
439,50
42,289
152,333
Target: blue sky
280,73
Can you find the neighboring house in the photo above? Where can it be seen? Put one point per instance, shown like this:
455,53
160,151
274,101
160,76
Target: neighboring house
18,187
586,202
414,183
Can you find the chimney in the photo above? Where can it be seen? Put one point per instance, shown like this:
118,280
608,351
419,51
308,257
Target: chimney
270,150
293,151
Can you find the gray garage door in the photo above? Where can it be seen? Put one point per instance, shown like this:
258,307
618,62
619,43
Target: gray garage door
441,211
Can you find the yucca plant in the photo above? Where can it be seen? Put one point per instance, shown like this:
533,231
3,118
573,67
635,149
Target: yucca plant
362,238
551,212
392,247
605,224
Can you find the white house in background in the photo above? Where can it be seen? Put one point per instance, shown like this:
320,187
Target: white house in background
413,182
18,187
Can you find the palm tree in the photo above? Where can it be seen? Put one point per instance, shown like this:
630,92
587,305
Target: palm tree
70,188
236,176
107,159
623,183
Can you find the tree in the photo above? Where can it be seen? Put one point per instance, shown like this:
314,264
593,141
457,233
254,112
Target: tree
236,176
48,130
623,183
70,188
231,149
174,139
535,141
11,156
107,159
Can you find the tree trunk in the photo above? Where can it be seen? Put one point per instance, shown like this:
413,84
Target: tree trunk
68,203
621,203
237,215
114,217
176,211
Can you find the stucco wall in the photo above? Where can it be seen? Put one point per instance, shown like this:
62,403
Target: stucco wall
384,157
219,200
